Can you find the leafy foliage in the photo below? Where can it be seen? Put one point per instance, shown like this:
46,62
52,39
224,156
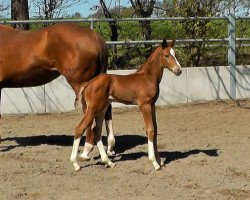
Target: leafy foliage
190,54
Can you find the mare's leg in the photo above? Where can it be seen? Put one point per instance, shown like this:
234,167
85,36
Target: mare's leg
86,122
98,131
148,112
110,132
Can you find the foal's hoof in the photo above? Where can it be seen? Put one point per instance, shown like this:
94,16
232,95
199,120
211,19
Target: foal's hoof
157,168
111,153
83,159
78,169
110,164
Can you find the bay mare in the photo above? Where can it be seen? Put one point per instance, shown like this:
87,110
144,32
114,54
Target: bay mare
33,58
141,87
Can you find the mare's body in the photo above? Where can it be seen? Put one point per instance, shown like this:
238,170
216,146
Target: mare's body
33,58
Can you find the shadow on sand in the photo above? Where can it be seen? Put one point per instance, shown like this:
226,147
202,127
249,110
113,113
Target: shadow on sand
123,143
169,156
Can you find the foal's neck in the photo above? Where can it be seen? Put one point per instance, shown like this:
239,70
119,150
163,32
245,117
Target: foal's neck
152,68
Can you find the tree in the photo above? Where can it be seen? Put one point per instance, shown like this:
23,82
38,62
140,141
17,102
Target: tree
110,13
49,9
195,29
77,15
112,24
238,7
3,7
144,8
20,11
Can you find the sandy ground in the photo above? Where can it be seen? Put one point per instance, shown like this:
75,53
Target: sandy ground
205,147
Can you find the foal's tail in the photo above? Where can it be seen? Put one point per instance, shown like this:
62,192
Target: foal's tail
78,100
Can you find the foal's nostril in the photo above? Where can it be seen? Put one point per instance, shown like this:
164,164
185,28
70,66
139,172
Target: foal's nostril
178,72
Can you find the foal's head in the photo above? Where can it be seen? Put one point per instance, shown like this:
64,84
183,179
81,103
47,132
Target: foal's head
168,57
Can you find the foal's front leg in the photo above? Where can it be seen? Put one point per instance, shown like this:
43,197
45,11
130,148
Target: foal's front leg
148,112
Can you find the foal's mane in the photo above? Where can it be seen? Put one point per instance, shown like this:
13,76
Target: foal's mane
147,61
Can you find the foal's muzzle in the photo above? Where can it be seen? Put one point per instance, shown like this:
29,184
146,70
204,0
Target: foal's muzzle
177,71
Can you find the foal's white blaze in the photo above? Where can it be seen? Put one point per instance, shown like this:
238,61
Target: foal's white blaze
173,54
151,155
73,157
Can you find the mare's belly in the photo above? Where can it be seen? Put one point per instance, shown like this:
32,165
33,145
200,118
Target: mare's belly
31,78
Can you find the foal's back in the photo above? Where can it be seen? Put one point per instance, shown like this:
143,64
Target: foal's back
127,89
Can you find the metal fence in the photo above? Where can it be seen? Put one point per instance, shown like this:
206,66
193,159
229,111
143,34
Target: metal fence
230,40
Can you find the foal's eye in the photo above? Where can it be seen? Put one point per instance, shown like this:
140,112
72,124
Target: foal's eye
166,56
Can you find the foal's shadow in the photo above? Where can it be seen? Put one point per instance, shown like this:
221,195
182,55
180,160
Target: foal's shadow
127,142
169,156
58,140
123,143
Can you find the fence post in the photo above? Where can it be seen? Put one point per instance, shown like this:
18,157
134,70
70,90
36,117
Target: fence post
92,24
231,54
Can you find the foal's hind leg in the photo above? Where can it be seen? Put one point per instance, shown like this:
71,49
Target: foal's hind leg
110,132
89,143
0,113
98,131
86,122
88,146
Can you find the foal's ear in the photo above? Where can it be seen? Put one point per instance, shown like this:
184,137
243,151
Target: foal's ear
171,44
164,43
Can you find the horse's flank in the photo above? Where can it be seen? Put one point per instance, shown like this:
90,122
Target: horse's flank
32,58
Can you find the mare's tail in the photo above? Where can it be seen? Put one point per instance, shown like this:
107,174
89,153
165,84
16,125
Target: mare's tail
78,100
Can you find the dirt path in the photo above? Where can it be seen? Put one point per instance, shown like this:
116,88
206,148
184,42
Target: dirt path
206,149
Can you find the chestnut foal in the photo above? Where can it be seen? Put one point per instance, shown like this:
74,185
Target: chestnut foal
141,87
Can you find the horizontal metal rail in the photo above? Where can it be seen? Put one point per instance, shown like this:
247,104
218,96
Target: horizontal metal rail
128,42
118,20
92,20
